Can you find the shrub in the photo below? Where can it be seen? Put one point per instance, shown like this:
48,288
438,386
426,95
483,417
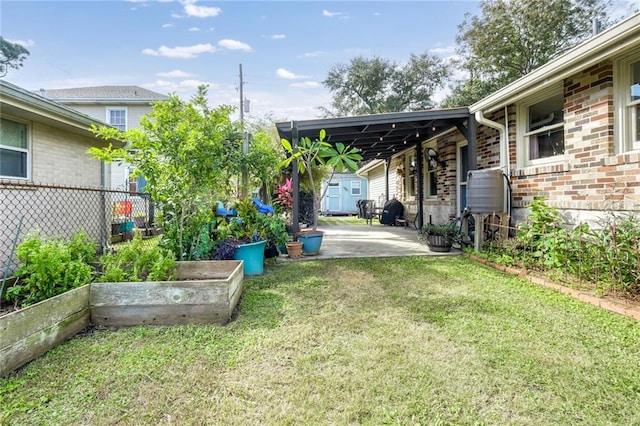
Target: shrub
49,267
136,261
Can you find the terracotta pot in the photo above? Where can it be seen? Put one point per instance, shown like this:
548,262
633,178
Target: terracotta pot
294,249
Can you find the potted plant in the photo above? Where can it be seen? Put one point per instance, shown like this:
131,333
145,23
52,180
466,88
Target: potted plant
245,236
314,154
441,237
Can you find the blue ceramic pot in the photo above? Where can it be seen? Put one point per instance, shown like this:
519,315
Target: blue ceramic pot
252,255
311,241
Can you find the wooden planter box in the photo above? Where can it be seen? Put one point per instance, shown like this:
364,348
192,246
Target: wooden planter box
30,332
206,292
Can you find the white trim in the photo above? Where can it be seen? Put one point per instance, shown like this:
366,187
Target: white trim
427,173
623,123
352,187
522,132
28,150
117,108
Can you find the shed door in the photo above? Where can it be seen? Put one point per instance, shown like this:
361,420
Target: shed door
333,197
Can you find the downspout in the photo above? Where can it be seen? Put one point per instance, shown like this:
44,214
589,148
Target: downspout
501,128
504,150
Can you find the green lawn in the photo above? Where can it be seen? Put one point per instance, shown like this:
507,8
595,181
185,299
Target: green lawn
407,341
341,220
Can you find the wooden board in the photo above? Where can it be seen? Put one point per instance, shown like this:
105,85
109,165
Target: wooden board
202,299
30,332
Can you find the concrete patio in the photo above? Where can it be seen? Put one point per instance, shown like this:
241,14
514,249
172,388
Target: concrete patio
345,241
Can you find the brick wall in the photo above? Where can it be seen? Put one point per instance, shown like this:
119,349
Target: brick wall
592,177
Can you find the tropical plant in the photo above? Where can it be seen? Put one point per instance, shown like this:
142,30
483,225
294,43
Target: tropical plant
318,153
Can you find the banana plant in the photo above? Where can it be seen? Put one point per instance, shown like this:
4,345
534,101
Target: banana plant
313,153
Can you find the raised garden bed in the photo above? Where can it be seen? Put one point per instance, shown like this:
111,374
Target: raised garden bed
206,292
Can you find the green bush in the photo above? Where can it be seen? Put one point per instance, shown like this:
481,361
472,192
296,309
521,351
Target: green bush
136,261
608,256
49,267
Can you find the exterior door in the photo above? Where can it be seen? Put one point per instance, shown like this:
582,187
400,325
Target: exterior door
333,197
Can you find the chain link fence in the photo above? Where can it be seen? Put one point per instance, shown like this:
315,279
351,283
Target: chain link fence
107,216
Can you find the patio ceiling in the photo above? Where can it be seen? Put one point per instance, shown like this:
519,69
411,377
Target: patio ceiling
380,136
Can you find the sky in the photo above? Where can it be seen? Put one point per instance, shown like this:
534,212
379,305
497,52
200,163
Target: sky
286,48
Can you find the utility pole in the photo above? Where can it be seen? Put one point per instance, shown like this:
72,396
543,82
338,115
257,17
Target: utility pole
245,141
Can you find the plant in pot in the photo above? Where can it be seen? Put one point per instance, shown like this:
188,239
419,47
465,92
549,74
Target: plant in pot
245,236
314,154
441,237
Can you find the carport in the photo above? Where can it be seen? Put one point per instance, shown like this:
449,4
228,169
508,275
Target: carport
381,136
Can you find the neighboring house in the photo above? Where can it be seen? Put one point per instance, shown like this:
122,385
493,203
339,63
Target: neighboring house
43,145
342,193
568,131
120,106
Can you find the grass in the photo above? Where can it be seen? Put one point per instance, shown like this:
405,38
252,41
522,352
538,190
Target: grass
415,340
341,220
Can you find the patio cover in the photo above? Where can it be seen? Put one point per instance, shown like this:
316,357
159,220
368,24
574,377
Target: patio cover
381,136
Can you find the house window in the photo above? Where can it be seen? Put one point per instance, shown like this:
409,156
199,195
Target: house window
117,117
355,187
627,99
544,133
14,149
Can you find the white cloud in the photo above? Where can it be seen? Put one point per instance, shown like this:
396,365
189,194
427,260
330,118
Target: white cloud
312,54
169,25
194,29
377,14
443,50
174,74
234,45
288,75
278,36
176,15
305,85
328,14
180,86
191,9
183,52
23,43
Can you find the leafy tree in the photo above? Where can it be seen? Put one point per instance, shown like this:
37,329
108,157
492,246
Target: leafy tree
513,37
317,154
12,55
189,154
376,85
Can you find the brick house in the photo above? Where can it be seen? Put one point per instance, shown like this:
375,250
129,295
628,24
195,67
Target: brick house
568,131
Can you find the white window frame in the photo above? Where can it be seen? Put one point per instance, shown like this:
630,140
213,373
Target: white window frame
522,133
25,150
625,109
126,116
356,184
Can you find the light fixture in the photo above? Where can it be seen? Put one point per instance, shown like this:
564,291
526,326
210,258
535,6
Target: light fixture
433,129
417,134
433,159
393,125
381,138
